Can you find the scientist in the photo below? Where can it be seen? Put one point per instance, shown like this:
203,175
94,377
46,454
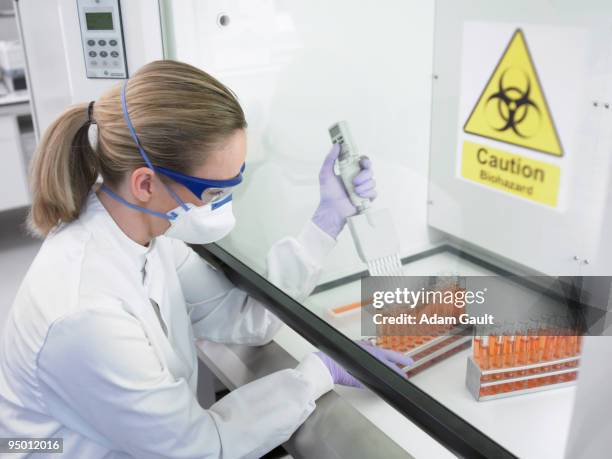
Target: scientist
99,346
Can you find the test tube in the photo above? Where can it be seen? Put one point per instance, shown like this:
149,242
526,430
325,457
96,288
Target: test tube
559,346
492,346
522,354
499,351
476,346
483,359
523,344
534,356
534,341
572,342
548,344
562,333
508,345
570,338
549,348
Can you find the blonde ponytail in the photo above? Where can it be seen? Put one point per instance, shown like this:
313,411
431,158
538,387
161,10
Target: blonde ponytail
180,113
63,171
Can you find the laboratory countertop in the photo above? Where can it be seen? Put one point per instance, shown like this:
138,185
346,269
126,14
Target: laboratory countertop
394,424
529,426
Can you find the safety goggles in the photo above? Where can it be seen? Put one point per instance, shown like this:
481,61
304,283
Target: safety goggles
215,192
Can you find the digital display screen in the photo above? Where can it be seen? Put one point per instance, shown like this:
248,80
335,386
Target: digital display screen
99,21
335,130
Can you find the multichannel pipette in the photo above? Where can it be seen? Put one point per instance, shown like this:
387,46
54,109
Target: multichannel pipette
373,230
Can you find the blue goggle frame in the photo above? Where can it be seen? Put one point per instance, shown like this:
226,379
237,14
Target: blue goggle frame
196,185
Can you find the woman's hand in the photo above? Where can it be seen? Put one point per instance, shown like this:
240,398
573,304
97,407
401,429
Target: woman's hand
335,205
394,360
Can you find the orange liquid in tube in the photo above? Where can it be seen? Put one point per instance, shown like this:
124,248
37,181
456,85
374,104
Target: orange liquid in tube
522,358
522,351
542,346
549,347
534,349
495,351
493,346
508,351
476,348
499,352
560,347
483,359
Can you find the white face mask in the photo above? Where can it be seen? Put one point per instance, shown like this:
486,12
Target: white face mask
201,224
190,223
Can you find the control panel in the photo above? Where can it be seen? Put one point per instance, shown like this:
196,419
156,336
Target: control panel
102,38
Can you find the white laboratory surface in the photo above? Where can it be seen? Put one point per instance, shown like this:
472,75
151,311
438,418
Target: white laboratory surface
523,424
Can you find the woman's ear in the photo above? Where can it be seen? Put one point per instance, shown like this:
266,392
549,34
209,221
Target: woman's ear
142,183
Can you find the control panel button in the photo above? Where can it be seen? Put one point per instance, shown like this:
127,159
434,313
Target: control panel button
114,54
113,42
115,63
93,63
103,54
92,54
91,42
102,42
104,64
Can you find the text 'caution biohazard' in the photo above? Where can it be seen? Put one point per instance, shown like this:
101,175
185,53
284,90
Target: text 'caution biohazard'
512,108
515,174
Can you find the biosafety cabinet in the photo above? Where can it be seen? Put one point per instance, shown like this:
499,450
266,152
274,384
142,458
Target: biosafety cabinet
488,125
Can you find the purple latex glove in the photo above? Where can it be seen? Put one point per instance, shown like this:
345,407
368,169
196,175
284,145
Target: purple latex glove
335,205
390,358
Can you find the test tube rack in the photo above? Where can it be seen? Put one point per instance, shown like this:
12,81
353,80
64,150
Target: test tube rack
503,382
425,351
429,344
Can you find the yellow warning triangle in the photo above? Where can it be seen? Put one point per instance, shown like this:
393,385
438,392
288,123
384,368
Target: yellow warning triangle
512,107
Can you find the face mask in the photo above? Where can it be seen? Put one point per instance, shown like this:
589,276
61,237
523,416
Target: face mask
201,225
189,223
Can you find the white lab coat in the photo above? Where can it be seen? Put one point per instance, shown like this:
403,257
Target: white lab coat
84,357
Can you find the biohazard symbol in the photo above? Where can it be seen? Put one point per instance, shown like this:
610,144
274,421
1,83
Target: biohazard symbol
512,108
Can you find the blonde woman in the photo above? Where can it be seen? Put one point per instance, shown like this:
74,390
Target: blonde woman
99,347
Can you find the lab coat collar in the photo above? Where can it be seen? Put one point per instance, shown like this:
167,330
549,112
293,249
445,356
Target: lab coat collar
99,222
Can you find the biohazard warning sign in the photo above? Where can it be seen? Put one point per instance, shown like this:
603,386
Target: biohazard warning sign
511,173
512,107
